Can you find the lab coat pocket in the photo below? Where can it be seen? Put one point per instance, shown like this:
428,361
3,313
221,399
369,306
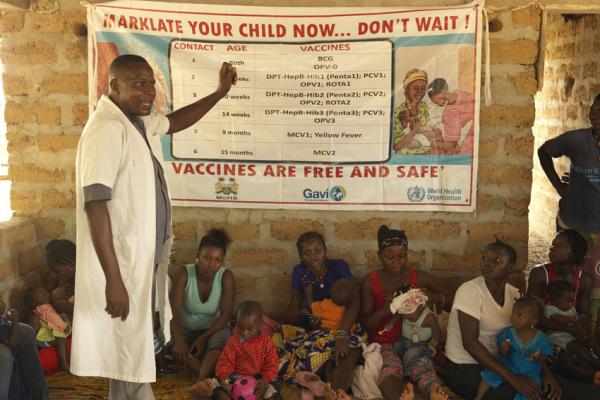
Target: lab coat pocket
125,248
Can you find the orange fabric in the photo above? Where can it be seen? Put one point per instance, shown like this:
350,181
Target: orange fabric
328,312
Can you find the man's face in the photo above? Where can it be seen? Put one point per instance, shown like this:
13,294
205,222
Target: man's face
133,89
595,119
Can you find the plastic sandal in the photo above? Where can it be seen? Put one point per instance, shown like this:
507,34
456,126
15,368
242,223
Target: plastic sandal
311,382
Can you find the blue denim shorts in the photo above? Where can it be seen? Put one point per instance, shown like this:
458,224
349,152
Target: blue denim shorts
216,341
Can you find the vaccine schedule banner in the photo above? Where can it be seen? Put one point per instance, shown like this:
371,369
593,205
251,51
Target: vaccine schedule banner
334,108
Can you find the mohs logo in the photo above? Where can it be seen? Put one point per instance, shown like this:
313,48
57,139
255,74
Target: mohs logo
336,193
415,193
226,189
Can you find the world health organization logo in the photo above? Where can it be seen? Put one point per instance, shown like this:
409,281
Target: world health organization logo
337,193
415,193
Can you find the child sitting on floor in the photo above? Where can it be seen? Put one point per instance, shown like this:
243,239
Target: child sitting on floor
249,357
583,365
521,347
421,333
53,328
330,312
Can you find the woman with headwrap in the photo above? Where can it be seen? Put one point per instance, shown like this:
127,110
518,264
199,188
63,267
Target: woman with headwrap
411,118
377,292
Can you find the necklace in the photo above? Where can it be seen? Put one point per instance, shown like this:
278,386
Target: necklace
311,278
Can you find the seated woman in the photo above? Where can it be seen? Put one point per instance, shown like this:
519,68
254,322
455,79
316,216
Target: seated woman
377,291
202,301
482,308
60,258
329,353
566,254
21,374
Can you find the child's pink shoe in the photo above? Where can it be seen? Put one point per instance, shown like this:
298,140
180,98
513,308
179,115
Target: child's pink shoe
311,382
243,388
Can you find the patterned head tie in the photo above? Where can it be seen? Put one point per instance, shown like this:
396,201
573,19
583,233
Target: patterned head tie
390,237
414,74
409,302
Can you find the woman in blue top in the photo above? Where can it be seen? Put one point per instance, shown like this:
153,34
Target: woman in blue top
202,301
331,354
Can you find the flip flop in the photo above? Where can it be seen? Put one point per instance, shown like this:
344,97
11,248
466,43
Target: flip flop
311,381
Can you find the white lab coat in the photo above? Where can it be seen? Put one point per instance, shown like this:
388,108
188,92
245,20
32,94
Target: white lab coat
112,152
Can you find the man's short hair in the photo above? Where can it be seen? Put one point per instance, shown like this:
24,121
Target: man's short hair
123,62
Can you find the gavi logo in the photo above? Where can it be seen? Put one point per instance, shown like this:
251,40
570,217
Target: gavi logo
336,193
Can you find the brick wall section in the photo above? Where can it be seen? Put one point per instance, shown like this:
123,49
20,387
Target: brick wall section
571,52
20,251
44,57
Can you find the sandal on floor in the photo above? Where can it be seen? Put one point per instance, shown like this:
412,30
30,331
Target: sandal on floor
167,370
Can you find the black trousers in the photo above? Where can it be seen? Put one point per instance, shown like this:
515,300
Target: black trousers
463,379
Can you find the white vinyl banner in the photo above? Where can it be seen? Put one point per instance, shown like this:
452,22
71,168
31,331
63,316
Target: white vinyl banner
334,108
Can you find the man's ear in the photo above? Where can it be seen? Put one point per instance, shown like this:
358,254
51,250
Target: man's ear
114,86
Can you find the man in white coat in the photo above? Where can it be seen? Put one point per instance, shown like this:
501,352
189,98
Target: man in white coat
123,228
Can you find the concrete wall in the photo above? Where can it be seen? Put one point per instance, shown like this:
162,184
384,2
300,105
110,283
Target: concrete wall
570,81
44,57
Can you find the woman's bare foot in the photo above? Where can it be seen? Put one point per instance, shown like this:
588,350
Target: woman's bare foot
202,389
437,392
597,378
408,393
343,395
331,394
